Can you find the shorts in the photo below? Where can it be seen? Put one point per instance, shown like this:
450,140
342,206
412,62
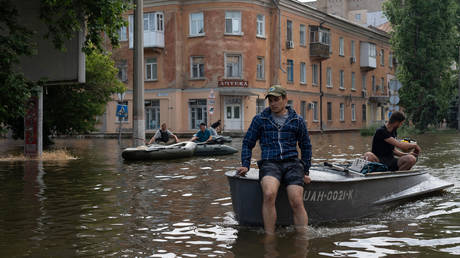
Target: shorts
391,162
288,172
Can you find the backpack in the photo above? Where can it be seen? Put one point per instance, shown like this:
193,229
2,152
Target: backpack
374,167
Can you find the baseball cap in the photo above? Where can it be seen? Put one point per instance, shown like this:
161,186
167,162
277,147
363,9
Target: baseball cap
275,90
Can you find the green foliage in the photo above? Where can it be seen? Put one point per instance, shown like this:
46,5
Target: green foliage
72,109
369,131
65,17
15,41
424,40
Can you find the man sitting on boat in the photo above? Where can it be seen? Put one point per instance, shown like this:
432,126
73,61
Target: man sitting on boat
163,136
213,129
384,143
279,129
203,135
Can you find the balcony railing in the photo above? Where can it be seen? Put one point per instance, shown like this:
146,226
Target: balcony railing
319,50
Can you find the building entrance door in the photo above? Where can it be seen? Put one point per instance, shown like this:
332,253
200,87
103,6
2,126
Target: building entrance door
233,114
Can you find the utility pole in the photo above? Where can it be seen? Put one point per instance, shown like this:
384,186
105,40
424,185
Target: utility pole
458,110
138,86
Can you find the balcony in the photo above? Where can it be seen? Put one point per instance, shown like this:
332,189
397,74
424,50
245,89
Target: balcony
154,36
368,59
319,50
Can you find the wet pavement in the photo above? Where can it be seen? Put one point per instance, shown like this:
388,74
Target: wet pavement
100,205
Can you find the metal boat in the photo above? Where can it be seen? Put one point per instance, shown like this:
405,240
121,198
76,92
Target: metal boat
333,195
203,149
160,152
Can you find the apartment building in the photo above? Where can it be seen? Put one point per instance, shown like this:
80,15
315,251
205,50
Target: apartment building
211,60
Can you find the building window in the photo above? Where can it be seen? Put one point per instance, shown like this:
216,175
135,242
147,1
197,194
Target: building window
352,46
122,34
153,24
260,105
342,112
197,112
303,109
364,112
373,84
315,111
260,25
152,114
329,111
329,77
197,67
196,24
358,17
353,81
303,73
363,83
289,30
125,118
151,69
382,84
353,112
372,50
290,70
341,50
390,60
233,66
123,70
233,22
382,57
342,80
314,77
260,68
159,22
302,35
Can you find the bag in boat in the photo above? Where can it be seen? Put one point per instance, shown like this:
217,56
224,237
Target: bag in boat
374,167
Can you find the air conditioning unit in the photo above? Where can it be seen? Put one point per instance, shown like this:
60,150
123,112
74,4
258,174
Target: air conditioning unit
290,44
352,59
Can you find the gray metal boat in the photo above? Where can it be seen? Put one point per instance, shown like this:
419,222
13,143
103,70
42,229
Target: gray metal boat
213,149
333,195
160,152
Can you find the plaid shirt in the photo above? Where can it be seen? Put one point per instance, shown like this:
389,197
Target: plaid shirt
277,143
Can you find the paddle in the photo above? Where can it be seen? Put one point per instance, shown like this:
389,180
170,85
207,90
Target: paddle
339,168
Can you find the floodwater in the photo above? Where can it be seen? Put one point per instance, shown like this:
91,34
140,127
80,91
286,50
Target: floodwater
99,205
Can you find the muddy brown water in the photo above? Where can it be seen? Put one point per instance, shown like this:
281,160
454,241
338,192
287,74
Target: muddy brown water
99,205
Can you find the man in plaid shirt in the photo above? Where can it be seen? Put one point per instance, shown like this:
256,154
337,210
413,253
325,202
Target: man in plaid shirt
278,129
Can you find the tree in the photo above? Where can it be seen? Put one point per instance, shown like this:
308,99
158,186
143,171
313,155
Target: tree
424,40
63,18
73,109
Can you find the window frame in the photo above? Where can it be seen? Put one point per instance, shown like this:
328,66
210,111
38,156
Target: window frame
353,81
341,47
353,112
303,73
342,79
260,72
197,24
314,77
155,63
329,83
260,26
342,112
290,71
192,64
302,38
239,19
240,66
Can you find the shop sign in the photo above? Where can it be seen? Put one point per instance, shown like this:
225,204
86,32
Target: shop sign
233,83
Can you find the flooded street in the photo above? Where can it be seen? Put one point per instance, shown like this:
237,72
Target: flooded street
100,205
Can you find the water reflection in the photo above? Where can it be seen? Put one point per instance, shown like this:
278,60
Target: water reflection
100,205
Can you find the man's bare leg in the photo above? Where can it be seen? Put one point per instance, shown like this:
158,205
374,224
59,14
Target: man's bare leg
406,162
295,196
369,156
270,187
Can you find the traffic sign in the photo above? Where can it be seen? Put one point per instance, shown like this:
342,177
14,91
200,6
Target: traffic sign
121,96
211,94
122,110
395,85
394,100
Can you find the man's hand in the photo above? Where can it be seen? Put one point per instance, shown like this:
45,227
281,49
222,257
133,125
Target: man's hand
242,171
417,149
306,179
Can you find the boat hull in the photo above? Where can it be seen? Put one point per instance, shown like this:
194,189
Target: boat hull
175,151
214,150
331,196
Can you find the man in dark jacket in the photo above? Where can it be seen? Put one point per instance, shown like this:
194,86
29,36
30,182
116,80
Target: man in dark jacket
279,129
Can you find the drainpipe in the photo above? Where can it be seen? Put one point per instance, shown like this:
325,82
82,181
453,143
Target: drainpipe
321,96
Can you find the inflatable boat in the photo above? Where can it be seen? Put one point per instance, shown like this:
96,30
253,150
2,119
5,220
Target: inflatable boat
160,152
205,149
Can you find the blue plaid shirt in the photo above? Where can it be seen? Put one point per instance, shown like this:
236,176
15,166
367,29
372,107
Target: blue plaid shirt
277,143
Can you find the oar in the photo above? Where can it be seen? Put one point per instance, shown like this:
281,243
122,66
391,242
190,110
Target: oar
339,168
